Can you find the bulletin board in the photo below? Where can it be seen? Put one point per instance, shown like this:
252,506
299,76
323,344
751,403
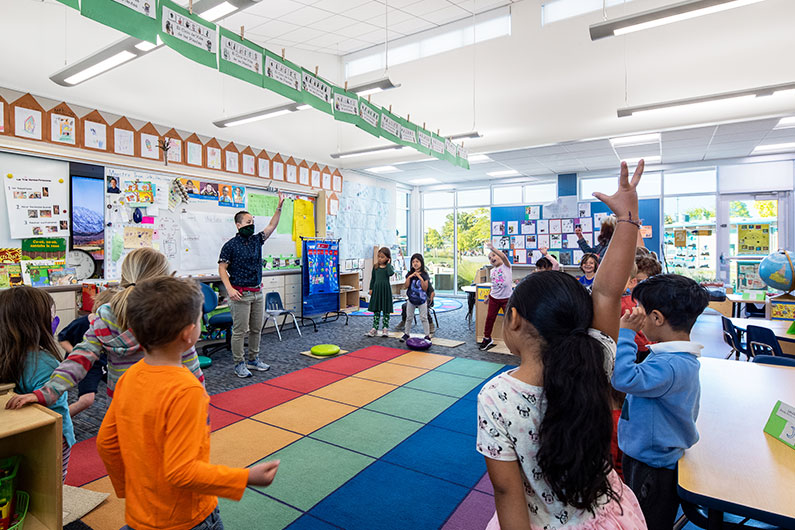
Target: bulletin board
520,231
189,231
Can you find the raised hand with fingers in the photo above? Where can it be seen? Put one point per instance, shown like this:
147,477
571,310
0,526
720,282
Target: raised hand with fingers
624,202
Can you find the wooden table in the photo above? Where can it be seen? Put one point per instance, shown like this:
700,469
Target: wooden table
779,327
735,467
737,300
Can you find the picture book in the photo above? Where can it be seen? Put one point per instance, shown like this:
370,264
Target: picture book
10,274
63,276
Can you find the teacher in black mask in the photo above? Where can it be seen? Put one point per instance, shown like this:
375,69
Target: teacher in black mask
240,268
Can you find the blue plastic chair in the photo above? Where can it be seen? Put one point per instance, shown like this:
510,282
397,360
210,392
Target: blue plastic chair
774,360
274,309
732,338
221,322
762,341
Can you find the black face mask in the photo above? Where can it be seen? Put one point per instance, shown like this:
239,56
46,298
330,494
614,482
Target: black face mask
246,231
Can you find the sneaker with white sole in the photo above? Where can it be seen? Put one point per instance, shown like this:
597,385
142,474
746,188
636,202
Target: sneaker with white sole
428,338
384,332
241,370
404,337
371,333
486,344
258,365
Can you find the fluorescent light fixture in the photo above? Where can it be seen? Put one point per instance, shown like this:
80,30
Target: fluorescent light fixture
504,173
646,159
303,107
102,66
471,134
383,169
369,151
663,15
424,181
374,86
785,123
769,148
750,92
256,116
478,158
640,139
219,11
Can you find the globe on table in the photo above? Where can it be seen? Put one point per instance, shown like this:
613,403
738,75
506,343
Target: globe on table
777,271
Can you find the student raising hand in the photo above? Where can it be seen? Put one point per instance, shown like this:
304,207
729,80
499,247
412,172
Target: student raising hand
633,319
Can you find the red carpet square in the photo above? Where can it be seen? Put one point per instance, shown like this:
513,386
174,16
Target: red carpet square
84,464
306,380
346,365
252,399
379,353
221,418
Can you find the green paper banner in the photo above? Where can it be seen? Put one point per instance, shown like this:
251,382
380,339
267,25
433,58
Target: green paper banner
390,127
423,141
240,58
44,244
316,91
450,151
437,146
71,3
282,76
189,35
346,106
370,117
408,133
137,18
462,157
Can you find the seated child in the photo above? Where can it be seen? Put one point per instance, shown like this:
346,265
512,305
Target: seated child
431,325
155,438
547,262
588,265
658,420
71,336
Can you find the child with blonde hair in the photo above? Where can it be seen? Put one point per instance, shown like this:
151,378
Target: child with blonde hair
109,332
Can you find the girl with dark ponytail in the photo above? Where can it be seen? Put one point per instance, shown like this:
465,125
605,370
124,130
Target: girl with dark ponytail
545,427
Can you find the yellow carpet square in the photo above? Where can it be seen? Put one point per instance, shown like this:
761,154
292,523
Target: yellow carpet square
420,359
395,374
304,414
247,441
353,391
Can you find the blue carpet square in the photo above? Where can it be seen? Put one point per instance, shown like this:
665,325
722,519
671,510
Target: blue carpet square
307,522
440,453
385,496
460,417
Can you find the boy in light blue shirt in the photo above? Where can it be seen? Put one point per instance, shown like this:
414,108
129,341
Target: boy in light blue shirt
658,420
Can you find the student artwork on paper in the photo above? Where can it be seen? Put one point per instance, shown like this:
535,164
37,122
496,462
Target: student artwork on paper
337,183
264,168
585,224
316,87
174,150
520,256
513,227
517,242
241,55
564,258
303,176
27,123
194,153
498,228
543,241
346,104
570,241
248,164
583,209
315,180
326,181
528,227
2,117
62,129
533,212
278,171
577,256
145,7
530,242
95,135
292,173
282,73
555,241
232,161
599,217
149,147
542,226
566,226
554,226
213,158
124,142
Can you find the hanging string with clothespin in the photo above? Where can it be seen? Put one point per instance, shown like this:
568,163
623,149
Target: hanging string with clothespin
190,6
242,32
282,54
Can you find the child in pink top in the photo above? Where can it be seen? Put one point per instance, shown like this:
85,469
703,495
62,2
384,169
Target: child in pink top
501,289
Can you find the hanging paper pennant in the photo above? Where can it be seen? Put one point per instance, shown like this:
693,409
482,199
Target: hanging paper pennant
450,151
71,3
187,34
316,91
437,146
390,127
370,117
240,58
462,157
408,133
137,18
282,76
423,141
346,106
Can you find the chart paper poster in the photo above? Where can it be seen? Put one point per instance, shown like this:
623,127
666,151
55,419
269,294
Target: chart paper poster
316,91
346,106
189,35
370,117
137,18
282,76
753,239
62,129
37,206
239,58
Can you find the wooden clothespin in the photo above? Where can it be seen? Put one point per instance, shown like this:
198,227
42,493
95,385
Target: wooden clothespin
437,132
316,69
282,54
368,97
390,108
346,86
190,6
408,117
242,32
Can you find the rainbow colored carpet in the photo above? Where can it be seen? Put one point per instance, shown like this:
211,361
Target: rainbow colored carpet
377,438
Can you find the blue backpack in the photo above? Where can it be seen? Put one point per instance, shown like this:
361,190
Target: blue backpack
417,296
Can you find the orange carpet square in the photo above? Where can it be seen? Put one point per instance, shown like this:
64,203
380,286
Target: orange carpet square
356,392
247,441
395,374
420,359
305,414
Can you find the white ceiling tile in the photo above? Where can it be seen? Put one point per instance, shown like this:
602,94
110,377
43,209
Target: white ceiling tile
424,7
274,28
686,143
388,20
445,15
274,9
787,135
365,11
328,40
696,132
350,45
374,37
747,126
338,6
484,5
249,20
304,34
305,16
411,26
634,151
402,4
333,23
356,29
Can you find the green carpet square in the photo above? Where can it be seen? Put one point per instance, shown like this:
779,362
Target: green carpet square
253,509
412,404
311,470
445,383
470,367
368,432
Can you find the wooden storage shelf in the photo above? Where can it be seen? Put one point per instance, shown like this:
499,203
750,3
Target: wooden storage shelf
349,299
35,433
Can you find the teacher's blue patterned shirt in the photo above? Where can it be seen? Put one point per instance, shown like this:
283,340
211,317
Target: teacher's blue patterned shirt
244,258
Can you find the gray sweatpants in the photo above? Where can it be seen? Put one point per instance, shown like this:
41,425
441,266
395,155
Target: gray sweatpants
248,315
423,317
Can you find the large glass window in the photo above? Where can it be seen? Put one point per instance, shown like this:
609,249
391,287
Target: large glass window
507,195
476,197
753,234
540,193
474,228
402,198
700,181
438,236
689,238
555,10
438,199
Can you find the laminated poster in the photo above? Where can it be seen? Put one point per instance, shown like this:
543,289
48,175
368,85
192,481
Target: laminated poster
37,206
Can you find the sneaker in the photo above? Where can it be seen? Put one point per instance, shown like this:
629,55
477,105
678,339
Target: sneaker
241,370
486,344
371,333
384,332
258,365
404,337
401,325
428,338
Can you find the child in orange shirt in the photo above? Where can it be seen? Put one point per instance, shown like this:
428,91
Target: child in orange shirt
155,438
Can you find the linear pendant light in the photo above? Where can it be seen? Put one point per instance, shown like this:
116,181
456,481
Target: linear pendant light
663,15
758,92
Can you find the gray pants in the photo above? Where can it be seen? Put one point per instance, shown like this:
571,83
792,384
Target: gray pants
248,315
423,317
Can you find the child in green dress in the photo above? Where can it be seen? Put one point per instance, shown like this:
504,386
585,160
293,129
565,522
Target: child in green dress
381,291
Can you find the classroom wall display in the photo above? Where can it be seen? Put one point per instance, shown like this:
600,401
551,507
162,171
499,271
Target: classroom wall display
303,173
370,117
239,58
3,116
95,131
346,106
362,222
316,91
753,239
278,167
37,205
231,158
248,161
194,151
291,171
29,118
748,278
282,76
64,125
122,137
187,34
314,179
147,144
213,154
336,181
263,165
325,177
175,147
